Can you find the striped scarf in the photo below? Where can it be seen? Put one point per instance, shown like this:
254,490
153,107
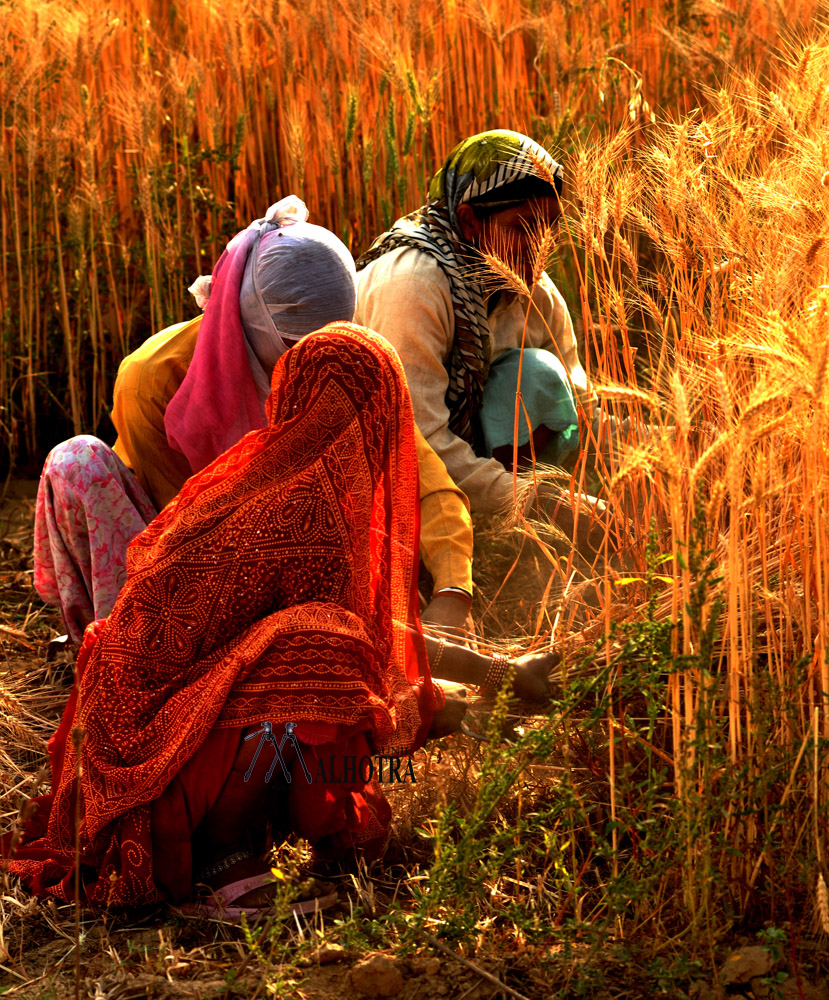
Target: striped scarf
476,167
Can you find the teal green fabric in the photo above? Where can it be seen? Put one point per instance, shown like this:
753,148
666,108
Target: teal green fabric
547,396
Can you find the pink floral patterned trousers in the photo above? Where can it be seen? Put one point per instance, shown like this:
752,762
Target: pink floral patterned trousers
89,508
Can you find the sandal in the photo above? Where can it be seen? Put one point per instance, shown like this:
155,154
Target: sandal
219,905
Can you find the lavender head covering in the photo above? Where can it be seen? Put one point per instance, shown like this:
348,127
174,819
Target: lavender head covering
301,278
298,277
278,280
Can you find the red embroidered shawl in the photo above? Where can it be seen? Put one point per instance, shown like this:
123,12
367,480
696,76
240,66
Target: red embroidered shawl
277,586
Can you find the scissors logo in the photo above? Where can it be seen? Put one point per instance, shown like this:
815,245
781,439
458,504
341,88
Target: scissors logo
266,735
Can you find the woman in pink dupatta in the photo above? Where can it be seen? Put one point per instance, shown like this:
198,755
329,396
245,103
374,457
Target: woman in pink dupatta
278,280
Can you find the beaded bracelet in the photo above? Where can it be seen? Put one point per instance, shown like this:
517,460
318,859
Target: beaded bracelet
501,666
224,864
434,664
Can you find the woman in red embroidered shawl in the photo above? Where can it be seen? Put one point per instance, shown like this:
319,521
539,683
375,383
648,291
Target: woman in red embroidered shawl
277,586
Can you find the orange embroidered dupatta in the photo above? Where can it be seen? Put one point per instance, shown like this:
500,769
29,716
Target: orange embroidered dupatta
278,585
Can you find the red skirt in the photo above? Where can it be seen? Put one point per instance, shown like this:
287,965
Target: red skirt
149,856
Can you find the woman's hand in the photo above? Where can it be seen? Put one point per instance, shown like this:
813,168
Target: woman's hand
447,720
532,675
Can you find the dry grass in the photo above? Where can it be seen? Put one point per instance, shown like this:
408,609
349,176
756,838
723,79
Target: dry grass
728,303
127,956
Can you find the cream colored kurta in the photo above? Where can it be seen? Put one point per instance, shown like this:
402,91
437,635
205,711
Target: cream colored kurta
405,296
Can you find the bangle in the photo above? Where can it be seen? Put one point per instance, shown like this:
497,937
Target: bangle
434,665
500,667
455,592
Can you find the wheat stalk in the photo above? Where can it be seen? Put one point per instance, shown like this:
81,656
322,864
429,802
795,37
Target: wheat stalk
822,895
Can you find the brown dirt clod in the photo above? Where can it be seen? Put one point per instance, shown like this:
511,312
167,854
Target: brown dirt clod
377,976
746,964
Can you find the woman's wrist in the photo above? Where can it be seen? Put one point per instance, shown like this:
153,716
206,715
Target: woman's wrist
500,668
455,592
467,666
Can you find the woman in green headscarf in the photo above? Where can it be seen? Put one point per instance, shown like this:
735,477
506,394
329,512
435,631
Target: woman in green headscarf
459,330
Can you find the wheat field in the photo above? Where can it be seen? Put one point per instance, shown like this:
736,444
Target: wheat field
138,136
673,807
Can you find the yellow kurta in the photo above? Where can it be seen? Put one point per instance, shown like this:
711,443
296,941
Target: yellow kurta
149,378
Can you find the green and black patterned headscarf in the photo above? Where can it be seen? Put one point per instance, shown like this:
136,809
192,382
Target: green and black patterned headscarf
497,169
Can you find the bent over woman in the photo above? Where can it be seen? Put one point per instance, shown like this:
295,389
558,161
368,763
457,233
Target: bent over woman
278,586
